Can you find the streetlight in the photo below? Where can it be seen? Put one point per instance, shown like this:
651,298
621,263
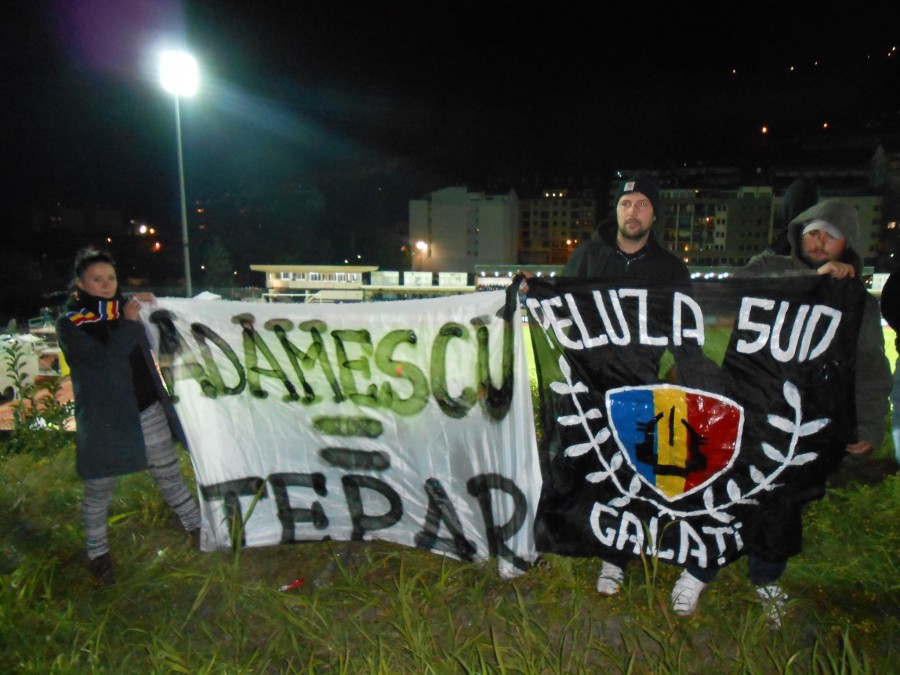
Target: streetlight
178,74
422,248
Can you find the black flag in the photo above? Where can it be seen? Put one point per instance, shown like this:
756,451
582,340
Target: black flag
676,422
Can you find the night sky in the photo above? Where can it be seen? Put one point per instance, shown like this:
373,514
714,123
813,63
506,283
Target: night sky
371,104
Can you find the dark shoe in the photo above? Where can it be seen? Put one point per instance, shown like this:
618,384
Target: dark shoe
102,570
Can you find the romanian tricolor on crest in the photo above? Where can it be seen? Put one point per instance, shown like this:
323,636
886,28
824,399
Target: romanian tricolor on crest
676,439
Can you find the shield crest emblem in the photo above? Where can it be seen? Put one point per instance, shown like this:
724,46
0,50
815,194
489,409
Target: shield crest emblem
676,439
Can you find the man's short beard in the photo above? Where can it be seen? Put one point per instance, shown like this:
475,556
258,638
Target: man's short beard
634,237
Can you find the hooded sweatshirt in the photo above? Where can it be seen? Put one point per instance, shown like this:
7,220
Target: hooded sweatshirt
873,373
840,214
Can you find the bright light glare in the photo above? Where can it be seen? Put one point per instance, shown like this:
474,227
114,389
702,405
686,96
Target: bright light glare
178,73
421,245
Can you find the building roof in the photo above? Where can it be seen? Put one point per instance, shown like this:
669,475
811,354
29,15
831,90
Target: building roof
324,269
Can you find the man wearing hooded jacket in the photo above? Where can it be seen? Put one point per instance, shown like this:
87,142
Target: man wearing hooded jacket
823,239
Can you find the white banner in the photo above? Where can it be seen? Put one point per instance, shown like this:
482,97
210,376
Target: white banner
408,421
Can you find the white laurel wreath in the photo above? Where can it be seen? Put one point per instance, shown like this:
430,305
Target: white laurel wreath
763,482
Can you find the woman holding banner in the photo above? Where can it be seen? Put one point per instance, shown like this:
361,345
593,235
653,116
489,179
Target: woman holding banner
124,419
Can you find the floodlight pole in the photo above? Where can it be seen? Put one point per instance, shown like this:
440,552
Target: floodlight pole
184,225
179,77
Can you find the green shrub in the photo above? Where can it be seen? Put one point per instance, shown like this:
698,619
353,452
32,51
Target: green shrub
39,417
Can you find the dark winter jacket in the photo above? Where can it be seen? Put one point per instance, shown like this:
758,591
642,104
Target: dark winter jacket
873,374
594,259
600,259
109,440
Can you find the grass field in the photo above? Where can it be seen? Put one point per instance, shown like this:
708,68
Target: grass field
370,607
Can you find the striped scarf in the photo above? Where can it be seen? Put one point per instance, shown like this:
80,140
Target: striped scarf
94,312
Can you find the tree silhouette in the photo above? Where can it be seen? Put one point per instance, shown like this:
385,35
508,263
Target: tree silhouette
219,268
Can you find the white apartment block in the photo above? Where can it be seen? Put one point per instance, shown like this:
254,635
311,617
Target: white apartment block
453,230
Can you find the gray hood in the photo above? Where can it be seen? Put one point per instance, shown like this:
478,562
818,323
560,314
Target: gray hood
838,213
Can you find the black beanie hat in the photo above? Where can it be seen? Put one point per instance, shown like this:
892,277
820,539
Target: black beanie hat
643,185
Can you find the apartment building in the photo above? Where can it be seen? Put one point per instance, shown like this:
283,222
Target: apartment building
553,224
716,227
454,230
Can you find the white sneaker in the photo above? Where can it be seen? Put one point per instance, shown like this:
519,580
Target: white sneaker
686,593
774,597
610,579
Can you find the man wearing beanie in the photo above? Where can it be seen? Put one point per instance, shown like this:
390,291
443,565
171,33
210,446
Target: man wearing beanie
823,239
624,246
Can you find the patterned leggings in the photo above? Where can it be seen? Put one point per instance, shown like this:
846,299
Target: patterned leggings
162,463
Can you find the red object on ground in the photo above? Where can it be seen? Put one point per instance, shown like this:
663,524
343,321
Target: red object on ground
292,586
